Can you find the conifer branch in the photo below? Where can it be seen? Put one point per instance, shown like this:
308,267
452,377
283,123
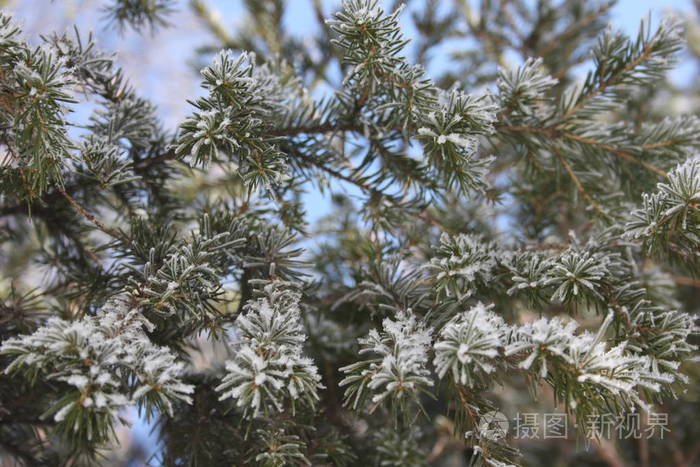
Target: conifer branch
435,277
579,185
90,217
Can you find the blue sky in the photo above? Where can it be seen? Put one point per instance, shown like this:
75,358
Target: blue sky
626,13
161,64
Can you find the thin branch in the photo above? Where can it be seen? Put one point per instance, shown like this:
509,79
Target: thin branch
572,30
579,185
89,216
687,281
608,452
603,85
337,174
552,132
314,129
493,45
614,151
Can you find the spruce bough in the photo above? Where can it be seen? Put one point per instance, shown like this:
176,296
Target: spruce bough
176,282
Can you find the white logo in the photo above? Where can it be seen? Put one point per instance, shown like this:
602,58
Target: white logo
493,425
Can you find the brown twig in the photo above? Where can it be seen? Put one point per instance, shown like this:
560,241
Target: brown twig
608,452
90,217
603,85
614,151
688,281
554,133
579,185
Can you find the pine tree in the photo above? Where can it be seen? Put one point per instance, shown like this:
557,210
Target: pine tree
502,235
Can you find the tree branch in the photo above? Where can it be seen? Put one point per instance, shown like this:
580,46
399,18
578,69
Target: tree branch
579,185
89,216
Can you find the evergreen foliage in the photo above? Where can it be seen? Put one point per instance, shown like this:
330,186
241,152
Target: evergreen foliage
413,313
